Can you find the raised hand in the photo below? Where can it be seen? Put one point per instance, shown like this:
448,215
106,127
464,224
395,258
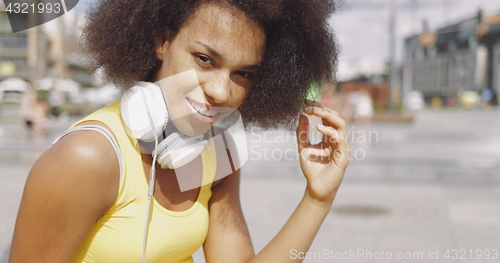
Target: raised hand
323,164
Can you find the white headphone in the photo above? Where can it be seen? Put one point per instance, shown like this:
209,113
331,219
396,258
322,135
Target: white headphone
145,116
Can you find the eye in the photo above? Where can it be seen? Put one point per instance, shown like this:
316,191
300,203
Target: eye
245,74
204,60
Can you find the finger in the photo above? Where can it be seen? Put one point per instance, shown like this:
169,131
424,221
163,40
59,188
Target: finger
303,133
341,156
336,144
318,154
309,110
311,103
330,118
332,136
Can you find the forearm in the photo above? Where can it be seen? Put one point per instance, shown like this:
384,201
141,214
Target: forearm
298,233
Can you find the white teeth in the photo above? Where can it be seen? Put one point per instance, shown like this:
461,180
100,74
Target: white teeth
208,113
213,112
203,110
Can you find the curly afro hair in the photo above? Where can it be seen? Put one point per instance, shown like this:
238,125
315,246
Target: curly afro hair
122,36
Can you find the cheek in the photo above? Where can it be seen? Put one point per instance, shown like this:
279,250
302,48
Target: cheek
171,63
238,95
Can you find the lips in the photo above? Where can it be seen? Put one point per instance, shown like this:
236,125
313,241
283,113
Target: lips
202,112
202,109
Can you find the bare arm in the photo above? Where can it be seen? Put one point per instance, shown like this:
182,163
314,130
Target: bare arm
68,189
297,234
323,165
228,238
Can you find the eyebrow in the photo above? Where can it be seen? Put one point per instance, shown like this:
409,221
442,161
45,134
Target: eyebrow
219,56
251,67
210,50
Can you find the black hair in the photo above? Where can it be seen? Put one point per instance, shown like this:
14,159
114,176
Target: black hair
122,36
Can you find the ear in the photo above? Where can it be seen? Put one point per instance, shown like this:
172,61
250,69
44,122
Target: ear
161,50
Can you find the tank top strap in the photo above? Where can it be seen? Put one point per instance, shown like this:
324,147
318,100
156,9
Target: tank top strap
110,116
209,166
102,130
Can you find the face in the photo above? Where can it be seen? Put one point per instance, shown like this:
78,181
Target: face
224,48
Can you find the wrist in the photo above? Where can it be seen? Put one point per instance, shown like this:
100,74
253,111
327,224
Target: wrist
322,204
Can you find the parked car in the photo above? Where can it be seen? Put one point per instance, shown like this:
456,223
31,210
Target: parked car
415,100
469,99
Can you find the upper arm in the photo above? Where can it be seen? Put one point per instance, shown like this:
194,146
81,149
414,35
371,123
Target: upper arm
228,238
70,186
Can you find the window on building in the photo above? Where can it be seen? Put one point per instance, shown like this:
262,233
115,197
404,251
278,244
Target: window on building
9,40
18,62
432,50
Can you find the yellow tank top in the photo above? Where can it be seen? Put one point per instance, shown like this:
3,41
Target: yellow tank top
118,235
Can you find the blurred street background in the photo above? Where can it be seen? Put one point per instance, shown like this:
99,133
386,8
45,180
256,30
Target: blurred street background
418,83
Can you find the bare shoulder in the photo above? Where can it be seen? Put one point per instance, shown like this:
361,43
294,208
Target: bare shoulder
68,189
84,160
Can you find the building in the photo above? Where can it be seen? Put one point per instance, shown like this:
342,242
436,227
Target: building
464,56
44,51
13,49
377,87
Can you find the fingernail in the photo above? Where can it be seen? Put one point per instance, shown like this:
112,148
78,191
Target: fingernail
308,108
320,126
317,109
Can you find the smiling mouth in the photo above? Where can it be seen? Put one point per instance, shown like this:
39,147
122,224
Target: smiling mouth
203,110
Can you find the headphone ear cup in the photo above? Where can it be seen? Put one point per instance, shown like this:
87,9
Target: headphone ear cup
169,141
179,149
144,111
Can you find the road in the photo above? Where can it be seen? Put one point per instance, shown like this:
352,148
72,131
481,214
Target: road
419,189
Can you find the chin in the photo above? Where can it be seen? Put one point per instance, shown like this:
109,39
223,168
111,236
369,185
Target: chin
190,129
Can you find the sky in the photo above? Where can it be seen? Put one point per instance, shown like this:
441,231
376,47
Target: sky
362,27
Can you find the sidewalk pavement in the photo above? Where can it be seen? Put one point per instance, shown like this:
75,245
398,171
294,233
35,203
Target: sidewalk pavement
376,217
385,218
403,200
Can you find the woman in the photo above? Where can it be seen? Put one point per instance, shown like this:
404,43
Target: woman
83,204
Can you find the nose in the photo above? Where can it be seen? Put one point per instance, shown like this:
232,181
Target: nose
218,90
